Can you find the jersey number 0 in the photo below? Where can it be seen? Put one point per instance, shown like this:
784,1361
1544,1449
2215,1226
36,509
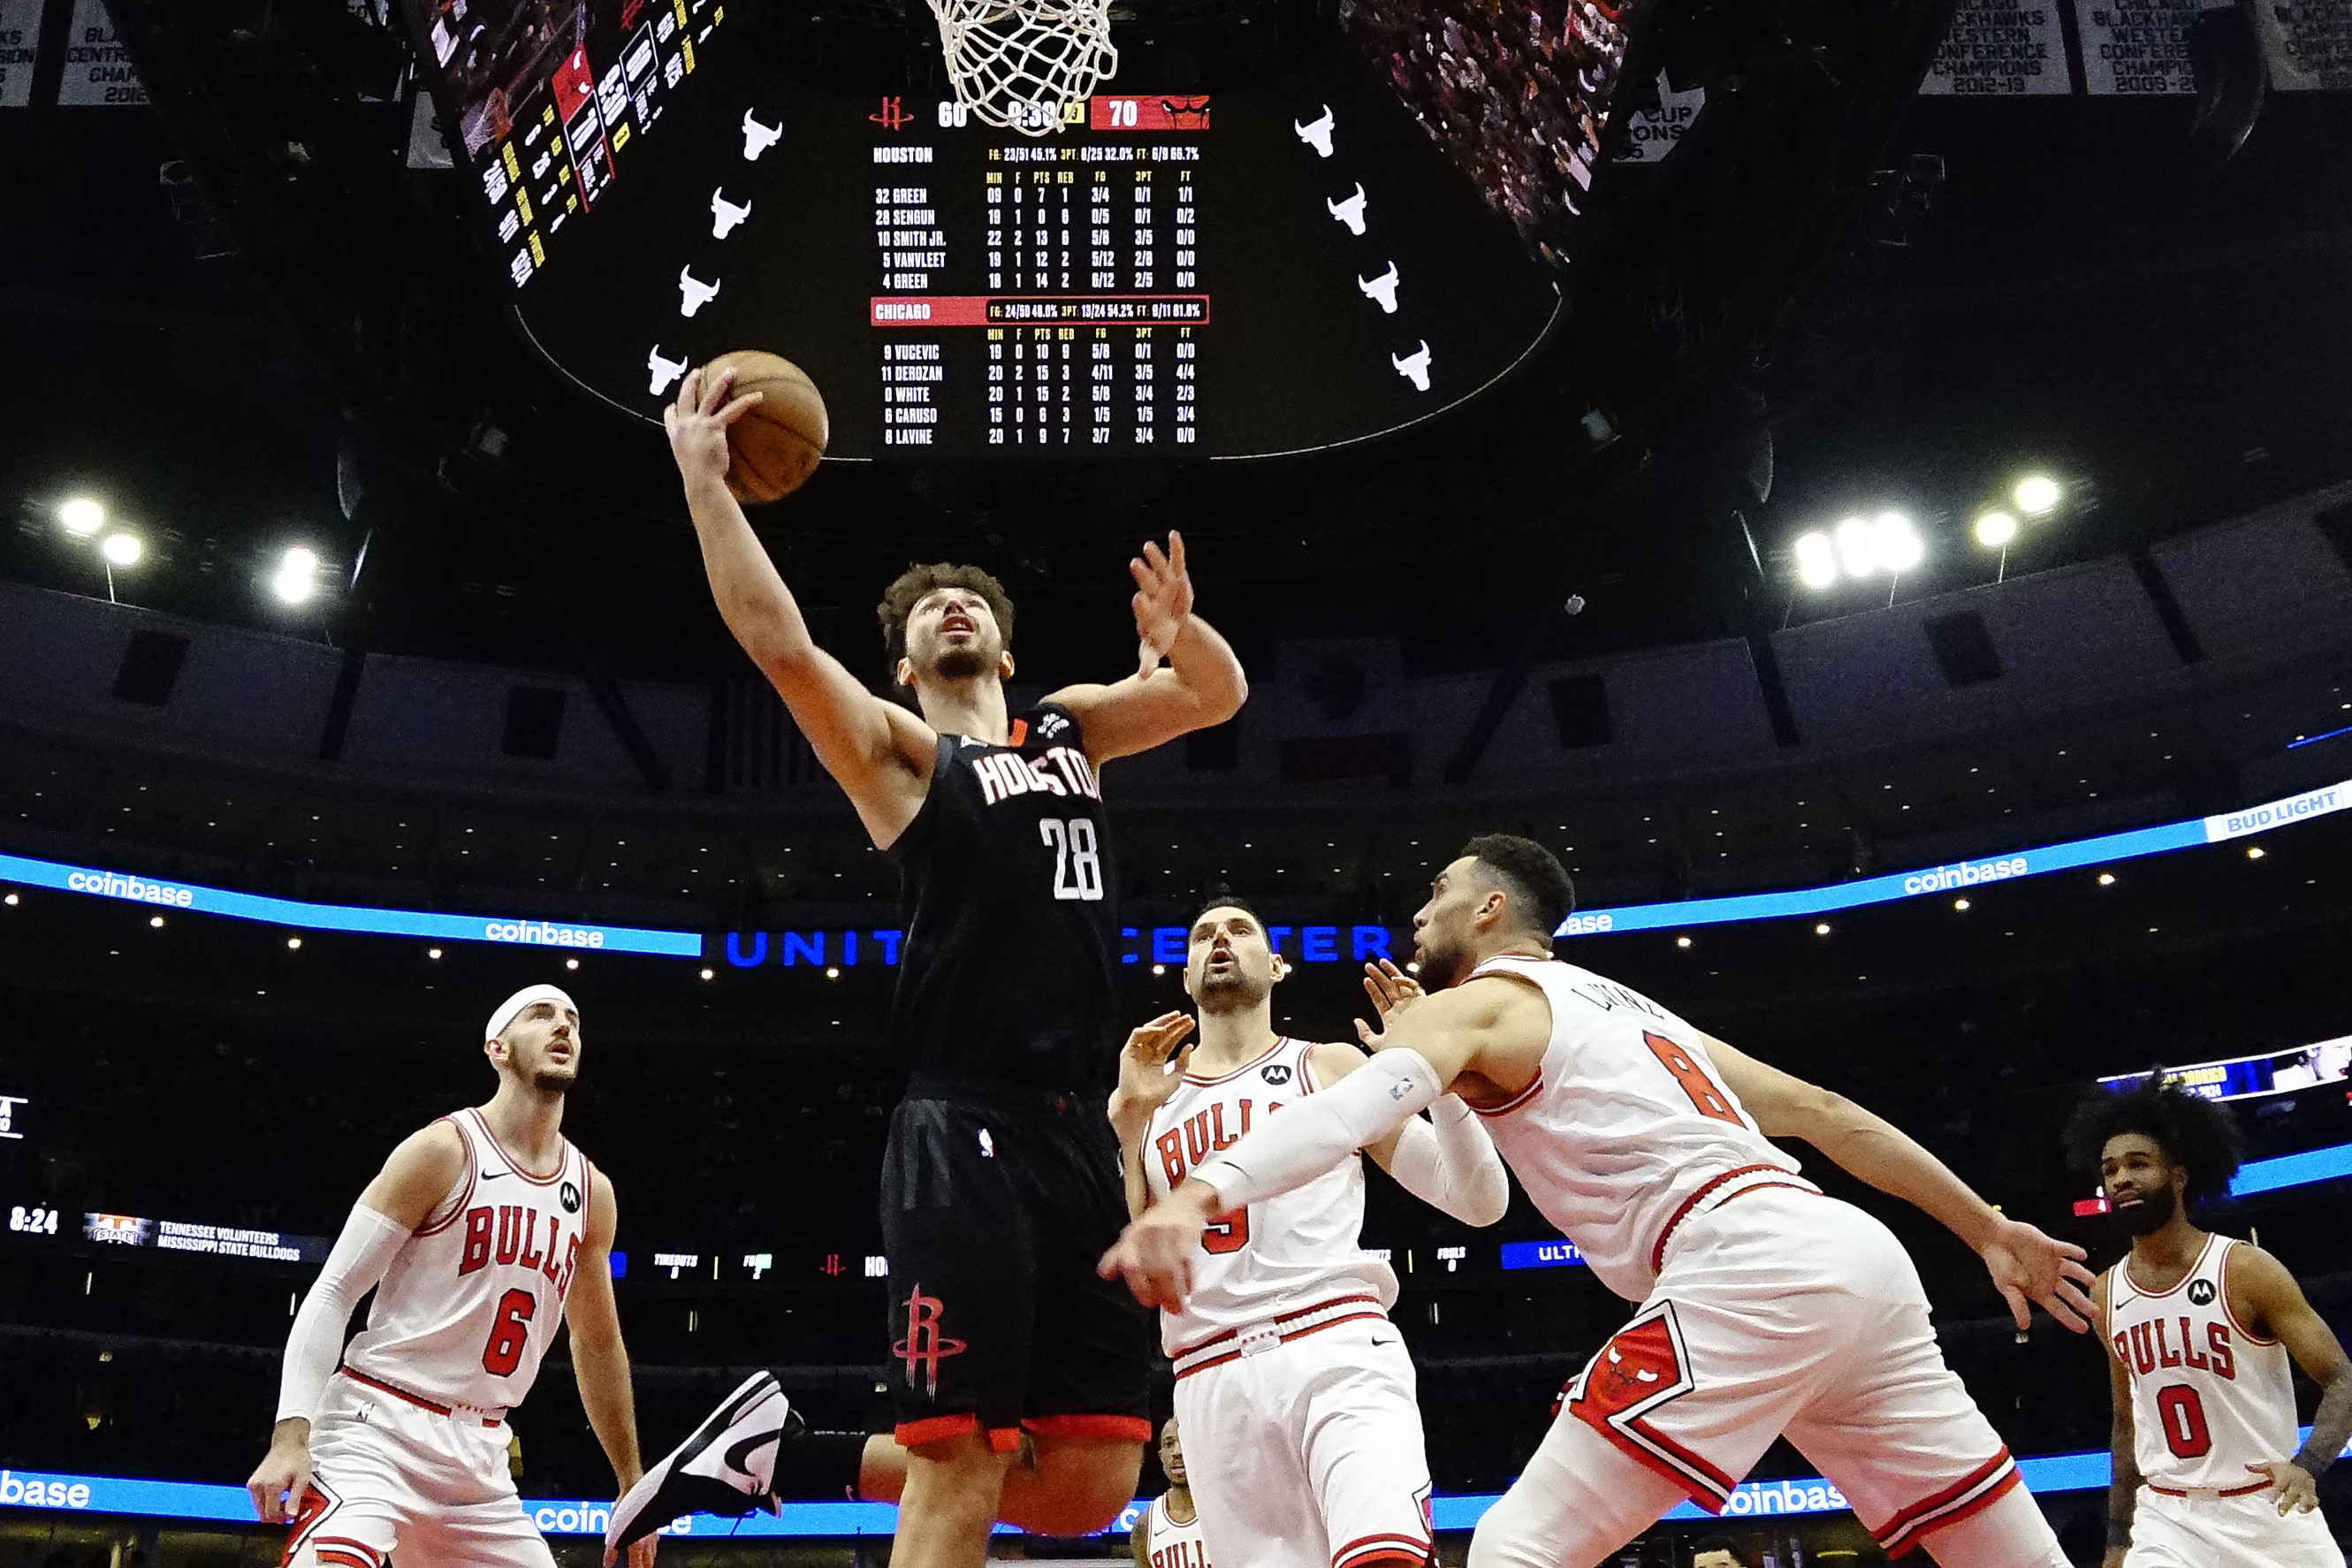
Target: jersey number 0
1077,863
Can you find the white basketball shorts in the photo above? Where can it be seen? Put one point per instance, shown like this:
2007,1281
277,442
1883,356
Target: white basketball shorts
2208,1530
1780,1310
1308,1453
389,1475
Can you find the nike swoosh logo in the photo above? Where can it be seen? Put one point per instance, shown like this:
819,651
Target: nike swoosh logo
1384,1342
492,1175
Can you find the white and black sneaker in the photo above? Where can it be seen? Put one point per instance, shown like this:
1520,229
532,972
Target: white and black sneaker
727,1466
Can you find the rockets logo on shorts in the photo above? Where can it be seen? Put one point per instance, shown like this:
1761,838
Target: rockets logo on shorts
925,1347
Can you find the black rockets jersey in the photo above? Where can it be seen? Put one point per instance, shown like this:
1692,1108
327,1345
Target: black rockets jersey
1009,901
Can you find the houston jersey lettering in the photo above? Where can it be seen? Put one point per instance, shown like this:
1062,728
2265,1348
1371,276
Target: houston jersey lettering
2210,1396
473,1297
1627,1127
1290,1252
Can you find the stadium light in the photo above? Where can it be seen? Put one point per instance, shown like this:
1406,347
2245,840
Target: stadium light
1817,564
1995,529
121,549
1900,548
297,578
2037,494
1857,546
81,517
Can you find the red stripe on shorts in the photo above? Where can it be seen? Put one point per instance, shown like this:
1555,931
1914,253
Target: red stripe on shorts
1979,1489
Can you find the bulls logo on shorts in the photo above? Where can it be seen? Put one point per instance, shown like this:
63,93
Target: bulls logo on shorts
1276,1072
2200,1292
571,1197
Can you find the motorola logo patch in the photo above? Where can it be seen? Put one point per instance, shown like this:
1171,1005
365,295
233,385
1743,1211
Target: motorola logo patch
2200,1292
1276,1072
571,1197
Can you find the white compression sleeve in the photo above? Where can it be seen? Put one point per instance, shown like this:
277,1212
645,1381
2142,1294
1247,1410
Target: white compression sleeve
354,1267
1315,1133
1450,1163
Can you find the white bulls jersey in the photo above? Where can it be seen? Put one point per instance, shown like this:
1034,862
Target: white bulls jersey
2209,1395
473,1297
1274,1259
1174,1545
1626,1130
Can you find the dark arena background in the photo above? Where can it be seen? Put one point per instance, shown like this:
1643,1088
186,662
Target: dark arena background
1866,482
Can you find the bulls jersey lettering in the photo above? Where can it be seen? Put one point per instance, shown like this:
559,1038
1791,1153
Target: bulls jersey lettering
1009,896
472,1301
1175,1545
2210,1396
1276,1258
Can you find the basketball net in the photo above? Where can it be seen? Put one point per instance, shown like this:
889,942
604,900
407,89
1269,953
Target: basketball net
1015,63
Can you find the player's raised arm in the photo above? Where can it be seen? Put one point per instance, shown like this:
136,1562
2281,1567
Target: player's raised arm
1146,1077
2025,1265
1201,685
880,753
418,1175
2262,1293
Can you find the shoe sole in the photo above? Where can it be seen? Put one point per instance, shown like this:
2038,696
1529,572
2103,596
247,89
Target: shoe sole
635,1504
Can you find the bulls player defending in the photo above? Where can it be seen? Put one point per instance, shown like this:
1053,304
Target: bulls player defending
1169,1533
481,1233
2201,1331
1765,1307
1296,1391
1020,1378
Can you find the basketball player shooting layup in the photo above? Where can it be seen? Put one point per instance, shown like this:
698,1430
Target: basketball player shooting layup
479,1234
1020,1376
1765,1307
2200,1329
1295,1388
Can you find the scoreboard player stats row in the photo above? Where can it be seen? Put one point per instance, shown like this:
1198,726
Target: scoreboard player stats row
1283,267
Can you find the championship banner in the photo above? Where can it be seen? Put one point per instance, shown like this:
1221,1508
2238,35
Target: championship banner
2309,43
20,46
2137,50
2001,48
98,68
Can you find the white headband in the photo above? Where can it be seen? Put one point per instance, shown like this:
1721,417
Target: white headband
515,1003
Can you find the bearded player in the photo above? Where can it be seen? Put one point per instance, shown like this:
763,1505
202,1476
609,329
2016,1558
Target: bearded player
2203,1333
1765,1307
1020,1377
1169,1535
1296,1389
481,1233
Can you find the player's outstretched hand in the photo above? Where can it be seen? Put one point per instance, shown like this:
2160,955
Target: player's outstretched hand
697,424
2027,1266
1163,600
1147,1075
1391,991
278,1483
1154,1253
2291,1486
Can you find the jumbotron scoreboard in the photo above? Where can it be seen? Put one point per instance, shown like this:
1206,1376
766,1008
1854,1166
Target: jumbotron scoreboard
1281,269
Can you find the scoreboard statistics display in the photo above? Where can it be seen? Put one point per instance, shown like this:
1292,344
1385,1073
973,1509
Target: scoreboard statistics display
1281,269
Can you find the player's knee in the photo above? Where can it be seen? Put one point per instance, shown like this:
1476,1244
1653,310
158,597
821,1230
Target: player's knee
2010,1533
1083,1485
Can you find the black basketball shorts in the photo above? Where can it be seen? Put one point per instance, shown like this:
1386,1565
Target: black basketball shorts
994,1212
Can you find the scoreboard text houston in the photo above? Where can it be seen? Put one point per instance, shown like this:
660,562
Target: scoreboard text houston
1041,296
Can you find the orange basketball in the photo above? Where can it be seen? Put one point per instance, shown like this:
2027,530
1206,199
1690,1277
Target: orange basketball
776,446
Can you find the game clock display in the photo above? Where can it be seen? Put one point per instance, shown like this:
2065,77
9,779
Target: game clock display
1280,268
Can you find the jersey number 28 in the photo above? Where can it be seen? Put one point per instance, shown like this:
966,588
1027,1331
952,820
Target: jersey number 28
1077,863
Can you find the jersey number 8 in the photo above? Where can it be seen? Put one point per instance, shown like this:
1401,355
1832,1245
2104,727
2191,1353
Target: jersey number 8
1077,863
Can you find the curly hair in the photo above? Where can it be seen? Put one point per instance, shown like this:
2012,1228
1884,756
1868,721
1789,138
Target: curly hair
1541,893
2197,1133
899,599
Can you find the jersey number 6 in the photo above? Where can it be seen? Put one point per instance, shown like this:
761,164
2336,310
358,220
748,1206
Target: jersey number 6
510,1333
